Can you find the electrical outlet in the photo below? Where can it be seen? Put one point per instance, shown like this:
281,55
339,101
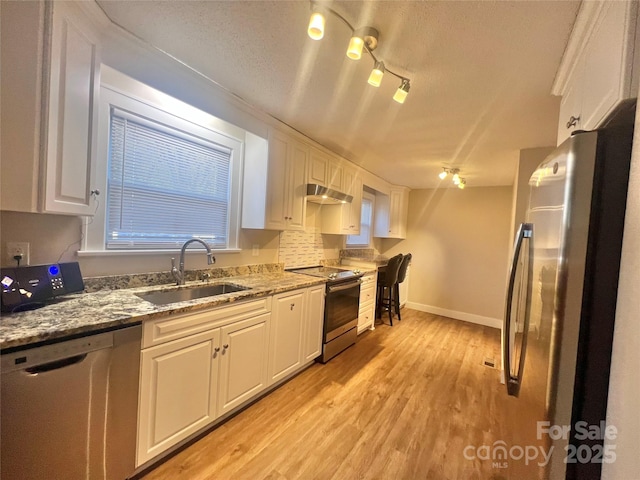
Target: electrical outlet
17,248
256,250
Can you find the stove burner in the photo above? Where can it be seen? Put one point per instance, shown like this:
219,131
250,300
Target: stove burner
333,274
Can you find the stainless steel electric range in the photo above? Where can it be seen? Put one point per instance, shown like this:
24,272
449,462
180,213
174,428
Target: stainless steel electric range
342,302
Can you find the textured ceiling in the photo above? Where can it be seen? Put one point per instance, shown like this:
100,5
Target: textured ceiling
481,75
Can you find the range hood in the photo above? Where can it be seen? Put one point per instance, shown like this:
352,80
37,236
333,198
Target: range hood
319,194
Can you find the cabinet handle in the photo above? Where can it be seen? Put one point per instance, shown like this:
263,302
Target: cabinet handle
225,346
293,305
217,349
573,121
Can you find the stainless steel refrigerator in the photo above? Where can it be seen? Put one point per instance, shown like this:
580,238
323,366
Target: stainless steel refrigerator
560,308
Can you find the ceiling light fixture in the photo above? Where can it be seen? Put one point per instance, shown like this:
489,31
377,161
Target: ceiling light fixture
362,38
456,179
316,24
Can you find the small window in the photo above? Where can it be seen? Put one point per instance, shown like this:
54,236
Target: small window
366,222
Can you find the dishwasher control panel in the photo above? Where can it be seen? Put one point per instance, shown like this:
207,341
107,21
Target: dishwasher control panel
25,288
39,356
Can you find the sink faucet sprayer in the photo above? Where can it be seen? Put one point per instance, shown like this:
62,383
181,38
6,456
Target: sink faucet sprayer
178,273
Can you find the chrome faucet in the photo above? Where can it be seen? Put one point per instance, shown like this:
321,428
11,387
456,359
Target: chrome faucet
178,273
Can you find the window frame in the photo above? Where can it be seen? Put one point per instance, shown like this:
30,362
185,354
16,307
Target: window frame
123,93
372,199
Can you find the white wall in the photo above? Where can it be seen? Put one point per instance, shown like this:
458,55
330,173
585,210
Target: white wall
459,240
624,388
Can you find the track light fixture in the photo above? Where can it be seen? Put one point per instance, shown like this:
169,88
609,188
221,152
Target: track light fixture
362,38
456,179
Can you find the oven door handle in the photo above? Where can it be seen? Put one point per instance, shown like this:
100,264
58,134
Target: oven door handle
339,288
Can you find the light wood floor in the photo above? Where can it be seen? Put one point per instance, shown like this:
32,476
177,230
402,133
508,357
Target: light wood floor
400,404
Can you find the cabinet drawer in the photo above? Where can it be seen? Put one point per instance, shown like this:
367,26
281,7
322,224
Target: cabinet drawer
367,294
366,315
162,330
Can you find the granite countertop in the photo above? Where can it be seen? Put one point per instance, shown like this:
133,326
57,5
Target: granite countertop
106,309
377,262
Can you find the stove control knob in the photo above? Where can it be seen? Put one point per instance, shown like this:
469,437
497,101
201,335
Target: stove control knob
332,276
356,271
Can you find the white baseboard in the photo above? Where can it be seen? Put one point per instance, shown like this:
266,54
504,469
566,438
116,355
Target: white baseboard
464,316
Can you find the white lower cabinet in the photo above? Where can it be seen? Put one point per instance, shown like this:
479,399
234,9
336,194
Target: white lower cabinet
177,383
367,310
296,331
197,367
314,320
286,334
243,361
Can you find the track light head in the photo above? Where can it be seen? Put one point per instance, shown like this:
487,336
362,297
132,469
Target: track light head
402,92
362,36
316,24
443,174
375,78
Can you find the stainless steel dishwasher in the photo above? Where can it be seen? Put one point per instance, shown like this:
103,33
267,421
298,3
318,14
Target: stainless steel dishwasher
69,409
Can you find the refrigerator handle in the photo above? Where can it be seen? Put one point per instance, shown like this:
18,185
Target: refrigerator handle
525,231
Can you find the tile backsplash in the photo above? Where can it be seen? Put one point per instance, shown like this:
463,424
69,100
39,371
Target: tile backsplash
302,249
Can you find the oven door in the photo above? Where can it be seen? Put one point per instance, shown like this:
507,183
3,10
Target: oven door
341,308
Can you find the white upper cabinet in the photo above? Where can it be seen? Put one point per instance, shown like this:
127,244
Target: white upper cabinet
345,219
318,168
596,73
391,214
281,205
326,170
50,79
74,82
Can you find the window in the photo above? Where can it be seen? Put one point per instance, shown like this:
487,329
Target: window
366,223
171,172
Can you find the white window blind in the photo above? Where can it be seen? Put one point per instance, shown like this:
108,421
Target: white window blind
165,186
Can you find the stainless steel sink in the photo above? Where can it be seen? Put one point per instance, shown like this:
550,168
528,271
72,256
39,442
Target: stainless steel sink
184,294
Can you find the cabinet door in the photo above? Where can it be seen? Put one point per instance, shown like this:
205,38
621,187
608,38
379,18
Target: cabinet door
571,104
606,70
73,93
391,214
286,334
297,187
314,319
318,168
335,175
177,392
355,207
277,214
243,361
395,202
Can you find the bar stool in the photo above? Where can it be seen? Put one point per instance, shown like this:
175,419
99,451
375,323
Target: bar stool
386,283
402,274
